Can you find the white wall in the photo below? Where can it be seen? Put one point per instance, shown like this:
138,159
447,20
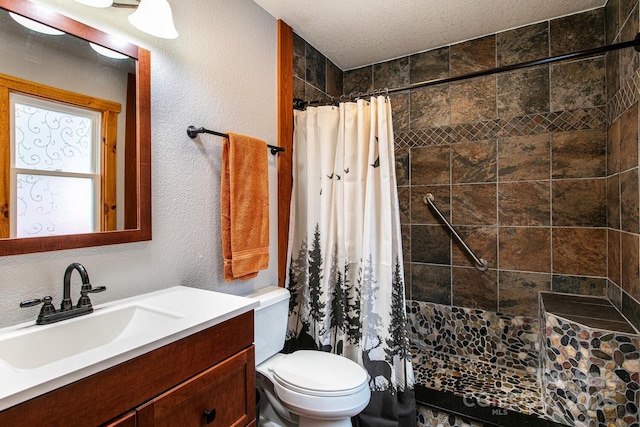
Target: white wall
220,73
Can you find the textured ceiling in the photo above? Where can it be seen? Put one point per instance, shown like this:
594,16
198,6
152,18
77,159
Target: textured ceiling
354,33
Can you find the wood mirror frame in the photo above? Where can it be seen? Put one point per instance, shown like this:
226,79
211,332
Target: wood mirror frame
15,246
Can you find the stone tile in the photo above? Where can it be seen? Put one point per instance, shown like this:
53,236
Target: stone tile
430,244
613,148
523,44
474,162
525,249
475,289
473,204
421,212
404,199
614,294
406,243
578,84
391,74
316,67
402,166
298,88
626,8
524,203
579,202
312,93
612,20
430,65
579,251
613,255
580,31
430,165
613,202
431,283
612,61
523,92
483,241
299,59
629,214
524,158
335,78
629,57
400,111
519,292
358,80
595,286
473,55
430,106
631,310
579,154
473,100
630,274
629,138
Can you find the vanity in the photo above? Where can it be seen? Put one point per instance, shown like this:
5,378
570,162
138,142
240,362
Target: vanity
181,357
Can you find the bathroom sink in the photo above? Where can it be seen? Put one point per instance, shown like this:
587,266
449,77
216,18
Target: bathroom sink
42,345
35,359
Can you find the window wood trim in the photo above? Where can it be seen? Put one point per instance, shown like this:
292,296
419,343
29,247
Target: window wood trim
108,134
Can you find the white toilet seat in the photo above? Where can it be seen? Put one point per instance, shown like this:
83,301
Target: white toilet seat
300,387
318,373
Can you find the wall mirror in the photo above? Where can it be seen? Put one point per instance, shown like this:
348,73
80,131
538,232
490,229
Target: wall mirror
75,137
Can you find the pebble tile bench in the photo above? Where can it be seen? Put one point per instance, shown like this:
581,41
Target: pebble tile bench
482,368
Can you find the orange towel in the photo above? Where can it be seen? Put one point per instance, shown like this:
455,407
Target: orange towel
245,206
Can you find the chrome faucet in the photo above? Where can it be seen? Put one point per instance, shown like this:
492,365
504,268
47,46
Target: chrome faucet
48,313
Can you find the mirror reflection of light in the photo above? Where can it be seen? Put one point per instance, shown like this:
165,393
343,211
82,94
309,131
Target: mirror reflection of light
35,26
96,3
107,52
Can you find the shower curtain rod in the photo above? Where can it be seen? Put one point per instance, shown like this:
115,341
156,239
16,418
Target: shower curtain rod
193,131
300,104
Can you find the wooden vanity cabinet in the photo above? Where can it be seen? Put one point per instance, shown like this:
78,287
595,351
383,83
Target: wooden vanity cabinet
212,370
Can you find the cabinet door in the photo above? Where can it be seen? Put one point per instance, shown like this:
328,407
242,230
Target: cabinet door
127,420
219,396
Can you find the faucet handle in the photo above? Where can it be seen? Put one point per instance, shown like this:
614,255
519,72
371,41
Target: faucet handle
47,307
98,289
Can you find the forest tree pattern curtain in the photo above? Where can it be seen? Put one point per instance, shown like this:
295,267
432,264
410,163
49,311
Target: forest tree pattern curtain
345,266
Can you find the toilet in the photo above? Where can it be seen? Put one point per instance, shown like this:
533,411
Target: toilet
307,388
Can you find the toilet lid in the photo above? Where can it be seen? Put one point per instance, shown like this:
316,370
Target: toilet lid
319,373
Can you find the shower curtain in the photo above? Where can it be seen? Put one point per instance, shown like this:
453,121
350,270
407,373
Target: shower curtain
345,266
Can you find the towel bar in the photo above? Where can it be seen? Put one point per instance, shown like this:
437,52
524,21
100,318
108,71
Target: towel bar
193,131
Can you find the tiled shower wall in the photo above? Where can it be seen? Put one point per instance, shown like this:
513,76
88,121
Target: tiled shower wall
523,164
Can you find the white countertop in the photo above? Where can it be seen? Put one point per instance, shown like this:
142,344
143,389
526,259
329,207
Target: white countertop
191,310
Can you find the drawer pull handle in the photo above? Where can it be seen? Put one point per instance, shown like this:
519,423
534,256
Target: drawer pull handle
209,416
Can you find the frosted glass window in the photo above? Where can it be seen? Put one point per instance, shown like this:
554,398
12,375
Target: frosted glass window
55,168
49,205
46,139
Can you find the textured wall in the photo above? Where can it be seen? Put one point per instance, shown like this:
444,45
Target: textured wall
217,74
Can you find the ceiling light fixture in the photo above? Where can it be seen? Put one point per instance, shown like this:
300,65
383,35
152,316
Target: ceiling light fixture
153,17
35,26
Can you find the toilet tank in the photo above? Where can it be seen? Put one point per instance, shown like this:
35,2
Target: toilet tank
270,321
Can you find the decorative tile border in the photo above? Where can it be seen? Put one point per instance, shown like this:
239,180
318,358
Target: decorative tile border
534,124
628,95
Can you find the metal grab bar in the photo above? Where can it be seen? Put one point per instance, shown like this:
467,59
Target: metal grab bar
481,264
